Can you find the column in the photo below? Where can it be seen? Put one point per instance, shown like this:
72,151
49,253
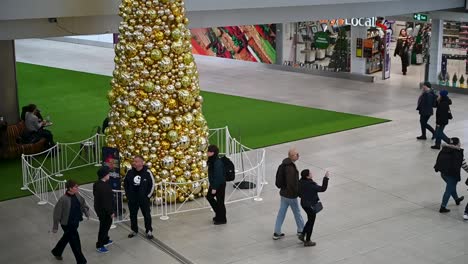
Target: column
358,65
279,43
9,108
435,52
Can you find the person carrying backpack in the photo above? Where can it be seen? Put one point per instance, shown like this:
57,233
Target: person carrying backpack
287,180
217,189
449,162
426,102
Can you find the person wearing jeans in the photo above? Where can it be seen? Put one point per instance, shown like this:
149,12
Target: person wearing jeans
288,182
449,163
443,115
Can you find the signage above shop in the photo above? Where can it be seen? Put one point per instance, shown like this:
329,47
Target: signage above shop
361,21
355,21
420,17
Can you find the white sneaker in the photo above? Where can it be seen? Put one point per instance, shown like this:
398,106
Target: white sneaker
465,217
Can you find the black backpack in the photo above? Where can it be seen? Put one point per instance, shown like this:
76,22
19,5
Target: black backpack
229,170
281,176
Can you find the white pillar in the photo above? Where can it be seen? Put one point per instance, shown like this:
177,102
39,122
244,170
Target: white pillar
435,50
358,65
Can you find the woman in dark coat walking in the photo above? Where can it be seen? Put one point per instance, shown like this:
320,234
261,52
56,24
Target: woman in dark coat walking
404,42
308,191
443,115
449,162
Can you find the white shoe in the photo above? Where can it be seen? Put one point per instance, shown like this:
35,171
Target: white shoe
465,217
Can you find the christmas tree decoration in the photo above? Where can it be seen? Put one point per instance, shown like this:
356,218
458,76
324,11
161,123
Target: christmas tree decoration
155,102
339,60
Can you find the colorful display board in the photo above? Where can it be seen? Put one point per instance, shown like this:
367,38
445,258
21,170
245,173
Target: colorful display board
248,43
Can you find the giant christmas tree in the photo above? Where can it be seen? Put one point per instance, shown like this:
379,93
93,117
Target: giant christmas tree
155,98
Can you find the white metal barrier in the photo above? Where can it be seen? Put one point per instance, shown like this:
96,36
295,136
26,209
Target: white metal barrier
42,170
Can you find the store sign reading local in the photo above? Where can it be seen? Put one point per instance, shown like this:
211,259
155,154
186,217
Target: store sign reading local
362,21
355,21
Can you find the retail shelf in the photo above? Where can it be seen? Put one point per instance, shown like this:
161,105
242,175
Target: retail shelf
451,36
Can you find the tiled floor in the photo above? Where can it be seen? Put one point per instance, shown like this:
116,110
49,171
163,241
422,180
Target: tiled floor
381,206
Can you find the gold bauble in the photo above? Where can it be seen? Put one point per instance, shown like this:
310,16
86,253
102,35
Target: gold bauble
185,81
181,199
131,111
176,34
159,35
165,174
165,64
200,120
128,134
166,123
188,119
168,162
196,188
165,145
155,106
188,58
171,103
177,47
191,197
172,136
184,96
151,120
171,195
164,80
184,142
156,54
205,192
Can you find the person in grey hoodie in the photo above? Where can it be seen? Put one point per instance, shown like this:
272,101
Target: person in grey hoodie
69,212
288,182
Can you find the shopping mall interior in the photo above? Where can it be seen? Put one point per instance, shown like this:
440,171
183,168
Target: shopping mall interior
335,82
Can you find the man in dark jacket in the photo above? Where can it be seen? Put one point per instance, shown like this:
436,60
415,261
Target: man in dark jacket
103,195
289,193
217,189
443,115
449,162
139,187
425,107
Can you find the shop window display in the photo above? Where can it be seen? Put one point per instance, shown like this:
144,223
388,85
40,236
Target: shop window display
322,45
454,68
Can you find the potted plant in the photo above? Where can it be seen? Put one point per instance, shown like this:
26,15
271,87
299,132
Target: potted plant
447,79
441,79
454,80
462,81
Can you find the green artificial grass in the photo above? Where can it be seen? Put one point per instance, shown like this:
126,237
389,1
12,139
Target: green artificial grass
76,103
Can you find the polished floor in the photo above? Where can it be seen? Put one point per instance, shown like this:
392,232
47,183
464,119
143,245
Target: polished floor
381,206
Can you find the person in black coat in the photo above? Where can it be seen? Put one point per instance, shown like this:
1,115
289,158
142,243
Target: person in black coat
103,197
404,43
139,187
443,115
308,191
449,162
217,189
425,107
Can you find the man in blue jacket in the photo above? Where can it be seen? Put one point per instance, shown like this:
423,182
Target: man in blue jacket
425,107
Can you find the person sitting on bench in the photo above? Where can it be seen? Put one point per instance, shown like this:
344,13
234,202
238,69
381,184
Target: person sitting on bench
35,127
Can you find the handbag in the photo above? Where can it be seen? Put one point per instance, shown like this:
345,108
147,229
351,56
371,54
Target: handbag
450,116
317,207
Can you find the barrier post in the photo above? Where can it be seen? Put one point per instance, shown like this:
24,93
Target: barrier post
164,215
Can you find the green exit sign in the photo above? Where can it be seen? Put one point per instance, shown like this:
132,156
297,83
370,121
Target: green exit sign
420,17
